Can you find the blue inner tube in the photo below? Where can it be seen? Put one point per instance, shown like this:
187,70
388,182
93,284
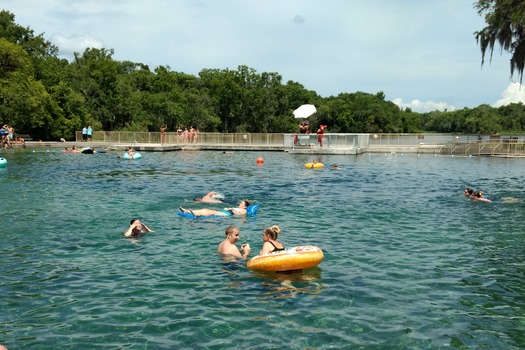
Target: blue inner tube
136,155
250,211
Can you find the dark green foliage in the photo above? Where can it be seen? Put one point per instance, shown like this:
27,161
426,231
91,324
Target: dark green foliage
50,98
505,21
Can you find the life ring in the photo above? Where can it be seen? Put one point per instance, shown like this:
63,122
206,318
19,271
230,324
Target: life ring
136,155
314,165
296,258
3,162
87,150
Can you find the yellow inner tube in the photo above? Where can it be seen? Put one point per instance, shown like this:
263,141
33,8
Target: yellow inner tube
296,258
314,165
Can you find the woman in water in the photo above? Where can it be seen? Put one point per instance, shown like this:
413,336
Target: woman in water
271,244
240,210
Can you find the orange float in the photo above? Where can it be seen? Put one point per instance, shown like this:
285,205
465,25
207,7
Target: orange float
296,258
260,160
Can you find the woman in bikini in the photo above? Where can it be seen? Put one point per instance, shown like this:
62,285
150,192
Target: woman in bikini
270,244
240,210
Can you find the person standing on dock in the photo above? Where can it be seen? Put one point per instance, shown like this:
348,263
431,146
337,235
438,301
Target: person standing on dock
163,134
320,134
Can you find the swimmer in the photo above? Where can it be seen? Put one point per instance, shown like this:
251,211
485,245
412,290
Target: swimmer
270,243
475,195
209,198
468,192
130,151
478,195
136,229
227,248
240,210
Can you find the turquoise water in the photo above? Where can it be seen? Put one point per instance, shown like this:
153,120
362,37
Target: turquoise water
409,262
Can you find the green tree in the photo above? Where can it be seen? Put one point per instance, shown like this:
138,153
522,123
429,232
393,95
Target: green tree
505,21
95,75
25,103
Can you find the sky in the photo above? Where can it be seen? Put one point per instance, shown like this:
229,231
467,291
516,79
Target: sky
421,54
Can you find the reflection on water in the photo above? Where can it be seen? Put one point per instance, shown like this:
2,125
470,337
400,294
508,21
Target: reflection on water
290,283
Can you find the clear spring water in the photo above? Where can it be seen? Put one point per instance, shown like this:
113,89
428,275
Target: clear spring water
409,262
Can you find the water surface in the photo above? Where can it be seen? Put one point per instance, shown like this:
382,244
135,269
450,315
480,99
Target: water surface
409,263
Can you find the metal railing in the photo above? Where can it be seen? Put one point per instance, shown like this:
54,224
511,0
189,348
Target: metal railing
237,139
331,141
503,145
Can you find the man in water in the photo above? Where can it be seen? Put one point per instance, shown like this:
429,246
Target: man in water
227,248
211,197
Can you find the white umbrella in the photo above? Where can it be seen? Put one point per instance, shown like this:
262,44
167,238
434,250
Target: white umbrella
304,111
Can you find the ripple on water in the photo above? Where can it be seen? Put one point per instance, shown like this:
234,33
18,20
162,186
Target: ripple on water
409,262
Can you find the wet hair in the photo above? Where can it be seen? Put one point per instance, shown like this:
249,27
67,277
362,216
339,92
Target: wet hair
197,199
246,203
231,230
273,232
132,221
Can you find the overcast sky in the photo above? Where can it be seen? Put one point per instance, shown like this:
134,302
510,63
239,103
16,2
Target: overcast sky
421,53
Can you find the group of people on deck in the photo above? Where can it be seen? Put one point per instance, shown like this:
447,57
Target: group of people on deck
87,133
184,135
304,128
190,135
7,133
475,195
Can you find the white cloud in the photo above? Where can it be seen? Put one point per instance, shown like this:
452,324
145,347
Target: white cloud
423,107
67,45
514,93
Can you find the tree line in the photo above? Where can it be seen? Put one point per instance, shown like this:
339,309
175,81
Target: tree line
50,98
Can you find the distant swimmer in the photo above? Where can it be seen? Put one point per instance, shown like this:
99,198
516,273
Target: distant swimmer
476,195
211,197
